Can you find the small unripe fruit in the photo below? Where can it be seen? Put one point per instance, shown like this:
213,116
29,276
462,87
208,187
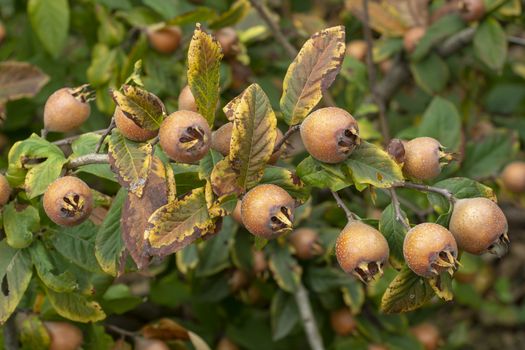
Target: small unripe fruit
343,322
165,40
64,336
68,201
430,249
236,215
226,344
330,134
479,225
472,10
185,136
5,190
423,156
357,49
362,251
267,211
260,265
427,334
150,344
228,39
412,38
513,177
305,242
2,33
130,130
63,112
187,100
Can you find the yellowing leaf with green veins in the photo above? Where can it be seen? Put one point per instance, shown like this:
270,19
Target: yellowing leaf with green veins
253,136
177,224
33,334
383,16
442,286
233,15
204,59
144,108
311,73
75,307
224,179
131,161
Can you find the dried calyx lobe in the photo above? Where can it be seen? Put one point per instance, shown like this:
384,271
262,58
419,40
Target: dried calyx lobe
281,219
444,261
347,140
193,138
369,271
72,205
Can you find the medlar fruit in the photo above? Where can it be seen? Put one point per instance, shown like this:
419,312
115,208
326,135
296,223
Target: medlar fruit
185,136
130,130
64,336
165,40
2,33
479,225
430,249
305,242
330,134
64,112
424,158
187,100
260,265
238,280
472,10
68,201
228,39
513,177
362,251
343,322
226,344
236,215
267,211
412,38
150,344
427,334
5,191
357,49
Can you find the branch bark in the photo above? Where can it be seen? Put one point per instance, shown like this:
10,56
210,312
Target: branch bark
425,188
286,136
397,209
92,158
10,334
349,215
310,326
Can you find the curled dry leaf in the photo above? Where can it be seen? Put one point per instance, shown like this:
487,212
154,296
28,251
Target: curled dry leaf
19,80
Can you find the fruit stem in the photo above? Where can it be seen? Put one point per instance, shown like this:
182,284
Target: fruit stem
397,209
10,334
111,126
71,139
425,188
121,331
286,136
349,215
308,319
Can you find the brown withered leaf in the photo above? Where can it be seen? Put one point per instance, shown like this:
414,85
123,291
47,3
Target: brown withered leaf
165,329
19,80
384,18
230,108
224,179
136,212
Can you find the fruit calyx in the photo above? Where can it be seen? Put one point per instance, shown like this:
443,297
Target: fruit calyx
193,138
501,245
72,205
444,261
347,140
369,271
83,93
281,220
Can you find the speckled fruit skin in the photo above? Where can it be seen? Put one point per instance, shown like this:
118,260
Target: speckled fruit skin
227,38
424,242
357,49
472,10
150,344
360,243
130,130
260,204
226,344
321,131
476,223
422,158
412,38
63,112
165,40
236,215
427,334
186,100
5,190
64,336
175,127
513,177
77,193
303,240
342,321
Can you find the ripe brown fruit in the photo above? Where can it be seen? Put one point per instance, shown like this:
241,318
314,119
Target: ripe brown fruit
63,112
260,265
362,251
423,158
430,249
228,39
427,334
185,136
236,215
330,134
2,33
5,190
187,100
130,130
68,201
238,280
343,322
357,49
412,38
472,10
479,225
267,211
64,336
513,177
305,242
226,344
150,344
165,40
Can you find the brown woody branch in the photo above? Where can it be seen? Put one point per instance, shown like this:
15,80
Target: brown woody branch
349,215
397,209
425,188
310,326
286,136
10,333
92,158
105,134
71,139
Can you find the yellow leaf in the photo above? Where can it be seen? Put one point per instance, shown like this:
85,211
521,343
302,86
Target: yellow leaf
384,18
141,106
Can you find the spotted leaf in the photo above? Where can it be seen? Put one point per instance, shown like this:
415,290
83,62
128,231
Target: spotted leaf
144,108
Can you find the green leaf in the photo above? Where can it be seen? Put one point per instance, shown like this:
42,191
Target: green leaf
187,258
109,245
442,122
436,34
200,13
75,307
207,163
322,175
394,233
33,334
103,67
97,338
235,13
311,73
214,254
288,181
284,313
406,292
118,299
131,161
490,44
50,22
141,106
86,144
167,9
285,269
16,270
19,225
386,47
20,80
54,277
431,73
204,58
322,280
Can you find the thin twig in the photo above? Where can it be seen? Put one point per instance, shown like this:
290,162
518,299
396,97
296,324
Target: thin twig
43,133
456,42
310,326
10,334
516,40
399,216
121,331
286,136
425,188
92,158
105,134
349,215
71,139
